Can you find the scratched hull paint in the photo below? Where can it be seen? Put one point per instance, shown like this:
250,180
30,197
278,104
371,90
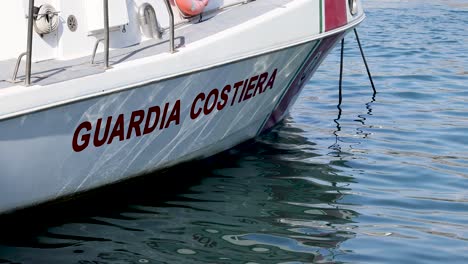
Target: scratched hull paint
304,74
40,164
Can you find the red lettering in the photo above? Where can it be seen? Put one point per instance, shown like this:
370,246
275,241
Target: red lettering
236,86
150,128
175,115
118,130
99,142
135,124
84,138
271,82
193,114
163,119
251,86
243,91
261,81
224,97
155,117
209,108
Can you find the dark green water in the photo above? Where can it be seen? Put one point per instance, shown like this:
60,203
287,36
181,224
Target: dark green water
385,181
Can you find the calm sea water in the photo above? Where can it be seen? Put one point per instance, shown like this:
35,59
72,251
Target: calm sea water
383,181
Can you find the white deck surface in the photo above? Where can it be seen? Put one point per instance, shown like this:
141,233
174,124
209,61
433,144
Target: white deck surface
55,71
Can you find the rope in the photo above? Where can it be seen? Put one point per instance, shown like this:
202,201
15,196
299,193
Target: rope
341,73
365,61
47,21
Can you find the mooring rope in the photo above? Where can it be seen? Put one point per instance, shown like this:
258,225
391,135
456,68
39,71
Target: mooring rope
47,20
365,61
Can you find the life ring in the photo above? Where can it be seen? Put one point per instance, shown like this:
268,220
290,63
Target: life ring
191,7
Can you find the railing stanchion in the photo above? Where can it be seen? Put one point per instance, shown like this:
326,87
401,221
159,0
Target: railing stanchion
29,47
171,26
106,33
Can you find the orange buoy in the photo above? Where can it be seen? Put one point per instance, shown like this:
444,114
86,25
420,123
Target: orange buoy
191,7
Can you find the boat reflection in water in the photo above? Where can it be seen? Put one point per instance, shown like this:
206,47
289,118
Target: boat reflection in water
237,206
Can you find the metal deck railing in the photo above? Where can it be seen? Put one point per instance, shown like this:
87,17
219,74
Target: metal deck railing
106,40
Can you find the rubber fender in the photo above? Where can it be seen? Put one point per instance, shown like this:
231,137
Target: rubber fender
191,7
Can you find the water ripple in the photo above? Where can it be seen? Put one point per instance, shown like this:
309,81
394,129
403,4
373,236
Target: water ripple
382,179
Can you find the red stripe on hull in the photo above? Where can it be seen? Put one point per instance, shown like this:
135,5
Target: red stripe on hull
335,14
304,75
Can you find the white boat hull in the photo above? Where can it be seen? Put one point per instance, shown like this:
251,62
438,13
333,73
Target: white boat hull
55,153
79,127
